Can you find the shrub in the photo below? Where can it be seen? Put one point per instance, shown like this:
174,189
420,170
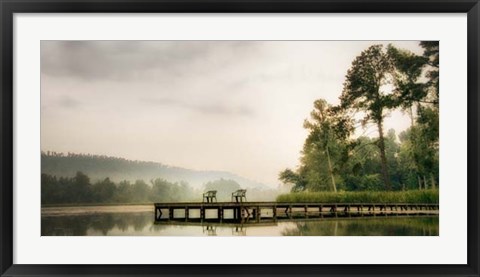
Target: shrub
410,196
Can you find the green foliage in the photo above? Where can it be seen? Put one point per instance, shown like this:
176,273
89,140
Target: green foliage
324,149
140,191
410,196
103,191
370,182
288,176
419,152
365,91
381,79
79,190
431,54
408,69
164,191
362,90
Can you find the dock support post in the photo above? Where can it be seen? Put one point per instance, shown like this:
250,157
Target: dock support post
186,213
234,213
202,213
257,213
170,213
274,212
220,214
160,213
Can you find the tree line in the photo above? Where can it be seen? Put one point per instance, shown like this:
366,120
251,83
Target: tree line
97,167
380,80
80,189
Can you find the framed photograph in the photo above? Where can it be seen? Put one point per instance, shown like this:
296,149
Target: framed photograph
262,138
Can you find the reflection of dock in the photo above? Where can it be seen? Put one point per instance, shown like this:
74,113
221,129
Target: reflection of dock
209,227
265,212
216,223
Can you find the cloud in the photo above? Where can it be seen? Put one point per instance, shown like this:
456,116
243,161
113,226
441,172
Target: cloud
69,102
222,109
127,60
216,109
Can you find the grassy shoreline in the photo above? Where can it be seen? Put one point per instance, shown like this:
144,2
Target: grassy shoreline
411,196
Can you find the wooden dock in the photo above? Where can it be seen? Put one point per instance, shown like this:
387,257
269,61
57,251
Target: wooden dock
257,211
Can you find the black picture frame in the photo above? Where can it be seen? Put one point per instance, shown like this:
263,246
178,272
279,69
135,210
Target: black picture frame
10,7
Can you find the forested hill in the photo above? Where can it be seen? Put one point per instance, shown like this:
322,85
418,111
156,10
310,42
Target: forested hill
119,169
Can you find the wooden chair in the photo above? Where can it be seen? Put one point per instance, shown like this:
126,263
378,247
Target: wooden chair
209,196
239,195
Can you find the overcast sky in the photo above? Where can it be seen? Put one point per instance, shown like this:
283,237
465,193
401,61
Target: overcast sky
236,106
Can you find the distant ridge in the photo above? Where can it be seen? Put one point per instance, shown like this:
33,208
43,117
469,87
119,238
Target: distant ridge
98,167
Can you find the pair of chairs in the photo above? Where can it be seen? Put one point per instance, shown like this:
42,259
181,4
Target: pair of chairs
238,195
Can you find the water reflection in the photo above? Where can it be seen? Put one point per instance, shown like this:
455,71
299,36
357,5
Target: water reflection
98,224
209,230
143,224
401,226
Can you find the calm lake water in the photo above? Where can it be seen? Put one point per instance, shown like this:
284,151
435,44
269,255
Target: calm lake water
139,221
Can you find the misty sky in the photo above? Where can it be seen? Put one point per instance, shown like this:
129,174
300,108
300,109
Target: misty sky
236,106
